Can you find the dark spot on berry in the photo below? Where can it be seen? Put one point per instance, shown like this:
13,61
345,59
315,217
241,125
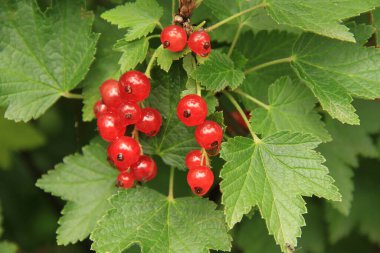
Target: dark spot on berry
187,114
206,45
215,144
166,44
198,190
128,116
128,89
120,157
118,184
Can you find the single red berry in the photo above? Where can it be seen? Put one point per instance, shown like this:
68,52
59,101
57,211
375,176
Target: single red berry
199,43
124,152
174,38
144,169
110,93
200,180
110,126
134,86
194,159
192,110
125,180
209,135
239,119
150,122
130,112
100,108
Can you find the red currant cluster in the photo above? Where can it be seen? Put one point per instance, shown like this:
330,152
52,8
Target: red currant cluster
118,109
192,111
174,38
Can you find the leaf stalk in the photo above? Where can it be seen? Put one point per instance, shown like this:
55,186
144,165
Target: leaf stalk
270,63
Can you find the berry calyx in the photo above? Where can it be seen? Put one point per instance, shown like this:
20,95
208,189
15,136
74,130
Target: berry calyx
124,152
110,93
110,126
209,135
194,159
174,38
134,86
200,180
192,110
130,113
100,108
145,169
199,43
150,122
125,180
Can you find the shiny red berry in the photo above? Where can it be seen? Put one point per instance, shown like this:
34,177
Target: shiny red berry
100,108
194,159
125,180
145,169
134,86
124,152
199,43
110,126
209,135
130,112
200,180
174,38
150,122
110,93
192,110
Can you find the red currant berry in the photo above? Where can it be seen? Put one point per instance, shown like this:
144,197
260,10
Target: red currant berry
199,43
174,38
110,93
125,180
110,126
192,110
100,108
194,159
200,180
209,135
124,152
144,169
134,86
130,113
239,119
150,122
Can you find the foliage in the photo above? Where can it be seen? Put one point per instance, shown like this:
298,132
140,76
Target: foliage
308,73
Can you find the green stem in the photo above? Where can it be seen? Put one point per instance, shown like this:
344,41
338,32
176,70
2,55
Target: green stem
153,36
199,89
173,8
253,99
240,110
213,27
160,25
171,185
236,38
270,63
151,62
72,95
199,26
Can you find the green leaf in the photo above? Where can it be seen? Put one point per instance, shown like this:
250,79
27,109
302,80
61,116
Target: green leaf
342,156
174,140
104,67
362,32
291,108
319,16
147,218
218,72
274,174
7,247
43,55
376,16
335,71
134,52
86,180
365,214
1,221
16,137
140,17
165,57
269,46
